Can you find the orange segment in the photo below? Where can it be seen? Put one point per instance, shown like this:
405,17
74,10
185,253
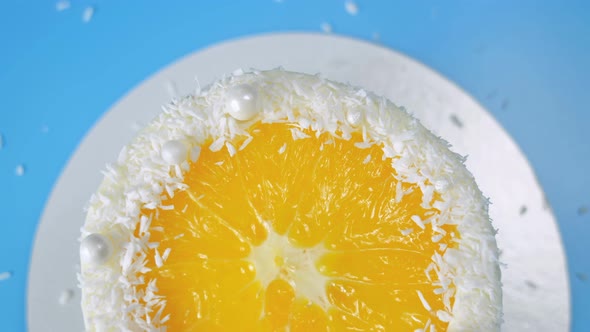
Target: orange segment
376,265
306,234
210,186
278,301
206,235
371,305
308,317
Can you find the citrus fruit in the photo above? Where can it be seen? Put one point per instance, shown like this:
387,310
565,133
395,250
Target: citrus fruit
278,201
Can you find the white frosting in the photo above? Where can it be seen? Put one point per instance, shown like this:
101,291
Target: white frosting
470,273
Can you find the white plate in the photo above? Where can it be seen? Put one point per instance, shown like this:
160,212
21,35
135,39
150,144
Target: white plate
536,292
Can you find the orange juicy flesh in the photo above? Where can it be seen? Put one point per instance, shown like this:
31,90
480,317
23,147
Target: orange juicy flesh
317,193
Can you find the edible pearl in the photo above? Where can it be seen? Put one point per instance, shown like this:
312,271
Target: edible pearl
95,249
174,152
242,102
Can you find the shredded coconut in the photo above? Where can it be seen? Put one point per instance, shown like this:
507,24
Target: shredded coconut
298,134
19,170
418,221
166,254
231,149
217,145
158,259
282,148
87,14
362,145
399,193
351,7
406,232
62,5
436,238
246,142
443,315
423,300
5,275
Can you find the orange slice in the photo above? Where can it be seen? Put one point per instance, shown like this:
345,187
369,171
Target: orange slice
278,201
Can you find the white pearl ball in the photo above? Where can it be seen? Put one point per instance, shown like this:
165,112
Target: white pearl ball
174,152
95,249
242,102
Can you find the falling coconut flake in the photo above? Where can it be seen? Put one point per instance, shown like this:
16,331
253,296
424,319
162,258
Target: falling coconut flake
351,7
326,27
5,275
87,14
20,170
60,6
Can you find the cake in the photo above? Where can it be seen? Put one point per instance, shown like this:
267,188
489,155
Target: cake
281,201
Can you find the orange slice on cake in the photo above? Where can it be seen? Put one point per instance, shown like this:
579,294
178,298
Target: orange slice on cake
279,201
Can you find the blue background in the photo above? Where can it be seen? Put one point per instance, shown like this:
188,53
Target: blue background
528,62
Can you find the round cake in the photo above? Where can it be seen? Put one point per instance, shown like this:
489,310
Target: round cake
280,201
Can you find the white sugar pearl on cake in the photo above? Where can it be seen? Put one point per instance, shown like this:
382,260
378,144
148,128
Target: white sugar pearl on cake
95,249
242,102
